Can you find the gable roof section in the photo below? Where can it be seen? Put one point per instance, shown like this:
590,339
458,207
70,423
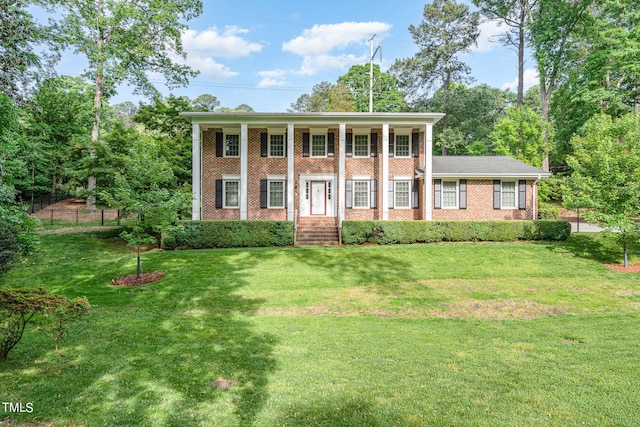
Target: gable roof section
484,167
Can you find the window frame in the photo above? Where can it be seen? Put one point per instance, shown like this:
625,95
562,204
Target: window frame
224,193
503,192
456,197
273,181
409,183
284,145
395,146
355,137
311,140
226,145
367,182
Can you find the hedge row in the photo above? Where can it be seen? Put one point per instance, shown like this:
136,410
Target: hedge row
391,232
228,234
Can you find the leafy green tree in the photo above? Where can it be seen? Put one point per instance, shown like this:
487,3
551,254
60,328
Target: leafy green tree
521,134
387,97
124,41
205,102
146,191
340,98
448,30
317,101
606,175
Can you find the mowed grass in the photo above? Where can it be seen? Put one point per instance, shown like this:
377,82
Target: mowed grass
446,334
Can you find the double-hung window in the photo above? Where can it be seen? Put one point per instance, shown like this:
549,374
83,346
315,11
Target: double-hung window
276,145
232,145
231,194
361,194
508,195
361,145
318,146
402,193
402,146
276,194
449,194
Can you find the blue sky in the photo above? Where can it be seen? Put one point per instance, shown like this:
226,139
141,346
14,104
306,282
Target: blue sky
267,53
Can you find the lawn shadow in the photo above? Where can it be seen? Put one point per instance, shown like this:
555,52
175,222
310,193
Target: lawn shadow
348,412
152,356
601,247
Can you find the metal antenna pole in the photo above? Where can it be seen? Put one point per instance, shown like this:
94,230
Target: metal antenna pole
373,54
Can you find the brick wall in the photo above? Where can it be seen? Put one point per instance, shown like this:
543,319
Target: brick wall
480,204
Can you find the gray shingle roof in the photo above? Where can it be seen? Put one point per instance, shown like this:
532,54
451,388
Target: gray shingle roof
484,166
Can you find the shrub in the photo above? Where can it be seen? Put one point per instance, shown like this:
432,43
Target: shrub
390,232
9,248
548,211
228,234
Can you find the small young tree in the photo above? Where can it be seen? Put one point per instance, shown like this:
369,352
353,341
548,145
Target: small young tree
146,192
606,175
19,306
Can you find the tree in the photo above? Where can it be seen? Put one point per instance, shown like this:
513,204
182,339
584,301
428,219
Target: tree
205,102
340,98
146,191
124,41
387,97
553,25
515,15
317,101
448,30
521,134
606,175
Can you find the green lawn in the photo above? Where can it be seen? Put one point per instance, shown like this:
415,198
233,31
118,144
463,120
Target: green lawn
445,334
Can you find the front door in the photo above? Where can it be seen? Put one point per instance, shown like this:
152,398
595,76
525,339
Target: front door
318,198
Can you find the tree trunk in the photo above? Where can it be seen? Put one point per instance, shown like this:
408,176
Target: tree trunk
545,94
521,47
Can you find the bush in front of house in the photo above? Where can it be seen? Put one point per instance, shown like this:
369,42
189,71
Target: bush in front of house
228,234
394,232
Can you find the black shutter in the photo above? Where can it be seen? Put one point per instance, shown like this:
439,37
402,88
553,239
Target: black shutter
264,145
391,194
496,194
437,193
392,141
331,144
263,193
415,144
415,190
218,194
373,196
522,193
219,144
349,194
463,194
374,145
285,196
305,144
286,142
349,145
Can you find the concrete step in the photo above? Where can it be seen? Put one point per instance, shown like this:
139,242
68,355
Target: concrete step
317,236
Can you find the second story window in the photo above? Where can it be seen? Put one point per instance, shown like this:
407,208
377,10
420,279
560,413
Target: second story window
318,146
232,145
276,146
360,145
402,147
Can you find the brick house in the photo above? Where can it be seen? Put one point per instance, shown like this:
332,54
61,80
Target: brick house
312,167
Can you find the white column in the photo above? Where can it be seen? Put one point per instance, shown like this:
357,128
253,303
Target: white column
428,172
196,179
291,183
342,163
385,171
244,169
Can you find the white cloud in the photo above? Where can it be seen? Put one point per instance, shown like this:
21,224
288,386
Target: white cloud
318,45
202,47
489,33
272,78
531,78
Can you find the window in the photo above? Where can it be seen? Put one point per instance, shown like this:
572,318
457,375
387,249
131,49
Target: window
449,194
402,146
276,194
361,145
276,146
232,145
231,194
360,194
508,195
402,192
318,146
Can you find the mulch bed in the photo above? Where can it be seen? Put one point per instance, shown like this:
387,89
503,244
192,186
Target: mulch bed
632,268
132,280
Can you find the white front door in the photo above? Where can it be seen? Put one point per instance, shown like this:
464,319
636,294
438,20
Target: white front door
318,198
